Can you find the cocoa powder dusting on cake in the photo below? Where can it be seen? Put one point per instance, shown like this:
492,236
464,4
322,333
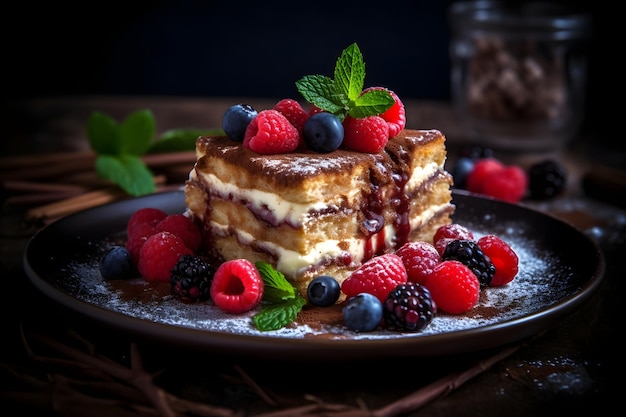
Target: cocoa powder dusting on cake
293,168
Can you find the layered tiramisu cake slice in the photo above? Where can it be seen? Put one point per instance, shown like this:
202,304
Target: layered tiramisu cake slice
310,213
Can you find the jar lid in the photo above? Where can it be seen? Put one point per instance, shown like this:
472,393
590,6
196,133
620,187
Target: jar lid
539,19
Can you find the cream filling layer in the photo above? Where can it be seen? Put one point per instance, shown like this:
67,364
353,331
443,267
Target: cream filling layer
420,175
426,215
283,210
290,262
288,211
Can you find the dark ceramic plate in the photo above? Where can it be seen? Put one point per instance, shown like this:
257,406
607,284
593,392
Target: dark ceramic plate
560,269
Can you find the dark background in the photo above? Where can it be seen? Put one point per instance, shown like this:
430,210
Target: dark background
230,48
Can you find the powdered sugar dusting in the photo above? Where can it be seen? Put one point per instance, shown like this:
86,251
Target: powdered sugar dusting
304,165
542,281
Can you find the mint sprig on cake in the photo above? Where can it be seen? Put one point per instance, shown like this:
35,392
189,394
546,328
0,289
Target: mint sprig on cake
344,94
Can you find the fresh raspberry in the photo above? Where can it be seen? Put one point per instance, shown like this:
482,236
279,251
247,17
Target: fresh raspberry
395,116
377,276
293,111
271,133
368,134
237,286
508,184
314,110
503,257
449,232
419,259
141,233
482,168
146,215
159,255
183,227
453,287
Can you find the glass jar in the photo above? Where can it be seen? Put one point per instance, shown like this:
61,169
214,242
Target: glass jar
518,74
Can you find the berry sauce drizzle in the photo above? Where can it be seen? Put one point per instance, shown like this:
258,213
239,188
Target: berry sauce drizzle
374,221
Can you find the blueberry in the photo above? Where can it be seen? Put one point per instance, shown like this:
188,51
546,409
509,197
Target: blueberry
363,313
117,263
460,170
236,120
323,291
323,132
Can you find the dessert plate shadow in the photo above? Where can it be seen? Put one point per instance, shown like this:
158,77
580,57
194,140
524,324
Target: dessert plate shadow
560,269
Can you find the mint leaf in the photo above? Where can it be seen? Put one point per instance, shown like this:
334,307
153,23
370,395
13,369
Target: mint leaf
120,146
277,288
103,134
136,133
344,95
371,103
350,72
276,316
282,302
128,171
176,140
320,91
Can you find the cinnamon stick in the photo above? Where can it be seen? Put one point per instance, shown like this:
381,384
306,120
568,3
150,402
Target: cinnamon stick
31,167
29,160
91,199
74,204
88,179
38,198
41,187
48,170
169,158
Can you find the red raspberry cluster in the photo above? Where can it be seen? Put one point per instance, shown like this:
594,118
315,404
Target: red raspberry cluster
493,178
157,241
280,129
453,286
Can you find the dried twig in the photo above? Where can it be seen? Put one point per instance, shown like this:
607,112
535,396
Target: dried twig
120,388
412,402
441,387
255,387
125,383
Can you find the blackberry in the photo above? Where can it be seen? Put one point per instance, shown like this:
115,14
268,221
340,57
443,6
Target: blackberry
470,254
547,179
408,307
191,278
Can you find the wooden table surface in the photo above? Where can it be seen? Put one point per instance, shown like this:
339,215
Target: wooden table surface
575,366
